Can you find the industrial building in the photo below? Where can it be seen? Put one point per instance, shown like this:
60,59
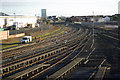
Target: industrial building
19,20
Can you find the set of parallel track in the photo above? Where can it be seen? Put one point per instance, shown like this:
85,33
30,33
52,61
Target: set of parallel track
32,66
8,54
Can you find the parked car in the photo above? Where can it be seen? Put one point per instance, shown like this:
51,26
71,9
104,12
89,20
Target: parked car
8,28
13,27
26,39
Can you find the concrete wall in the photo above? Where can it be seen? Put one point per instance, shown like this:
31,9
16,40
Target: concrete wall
2,22
5,35
17,35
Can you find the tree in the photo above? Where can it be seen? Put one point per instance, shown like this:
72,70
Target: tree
115,18
68,20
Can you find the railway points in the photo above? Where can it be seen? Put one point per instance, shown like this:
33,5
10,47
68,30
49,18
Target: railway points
59,60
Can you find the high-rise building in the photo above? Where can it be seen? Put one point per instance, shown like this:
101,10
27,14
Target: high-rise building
119,7
43,13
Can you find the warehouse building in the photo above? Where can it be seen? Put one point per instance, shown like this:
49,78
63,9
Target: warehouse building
19,20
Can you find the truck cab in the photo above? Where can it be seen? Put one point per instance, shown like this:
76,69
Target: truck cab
26,39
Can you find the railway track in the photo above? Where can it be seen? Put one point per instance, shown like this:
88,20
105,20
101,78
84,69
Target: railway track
60,63
45,36
31,56
52,59
61,38
19,52
95,65
43,58
89,66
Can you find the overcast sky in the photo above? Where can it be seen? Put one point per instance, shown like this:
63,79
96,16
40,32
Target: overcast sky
60,7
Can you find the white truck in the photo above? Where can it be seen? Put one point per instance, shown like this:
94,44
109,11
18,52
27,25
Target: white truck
26,39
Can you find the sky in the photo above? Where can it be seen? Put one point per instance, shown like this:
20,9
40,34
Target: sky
60,7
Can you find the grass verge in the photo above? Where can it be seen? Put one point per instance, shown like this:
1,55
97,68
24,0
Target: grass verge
16,41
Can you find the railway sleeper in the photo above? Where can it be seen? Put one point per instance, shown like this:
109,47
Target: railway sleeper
11,68
42,57
27,63
7,69
28,74
1,72
30,61
46,56
35,59
39,58
54,52
67,69
57,51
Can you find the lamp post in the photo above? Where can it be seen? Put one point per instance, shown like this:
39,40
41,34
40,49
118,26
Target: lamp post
14,17
93,31
15,22
93,27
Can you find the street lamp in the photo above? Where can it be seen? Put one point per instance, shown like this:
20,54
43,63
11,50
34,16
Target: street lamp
15,22
93,31
14,17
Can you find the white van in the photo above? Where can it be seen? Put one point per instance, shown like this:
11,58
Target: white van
26,39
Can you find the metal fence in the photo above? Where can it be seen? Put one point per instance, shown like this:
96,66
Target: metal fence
102,24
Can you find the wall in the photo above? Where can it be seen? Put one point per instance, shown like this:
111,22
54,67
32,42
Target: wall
1,22
17,35
5,35
22,21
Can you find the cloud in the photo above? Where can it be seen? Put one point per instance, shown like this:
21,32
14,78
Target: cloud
71,7
17,0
